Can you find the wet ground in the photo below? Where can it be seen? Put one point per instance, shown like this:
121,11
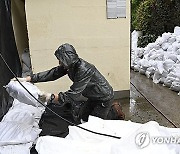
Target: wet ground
143,91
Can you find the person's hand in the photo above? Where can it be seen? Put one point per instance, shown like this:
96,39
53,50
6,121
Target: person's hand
44,97
27,79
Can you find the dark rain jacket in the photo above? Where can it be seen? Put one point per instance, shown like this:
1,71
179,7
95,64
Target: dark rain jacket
87,80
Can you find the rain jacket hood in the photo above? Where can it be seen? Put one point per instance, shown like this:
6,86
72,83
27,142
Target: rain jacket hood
66,53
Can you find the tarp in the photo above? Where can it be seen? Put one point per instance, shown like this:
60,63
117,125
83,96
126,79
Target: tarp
52,124
8,50
136,138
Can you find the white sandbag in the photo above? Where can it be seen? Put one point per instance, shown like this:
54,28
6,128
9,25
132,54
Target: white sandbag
177,30
175,71
177,74
175,86
16,133
132,65
23,113
144,63
149,54
170,48
178,57
160,40
134,37
160,54
168,64
162,79
136,68
163,76
160,73
154,56
172,74
157,77
178,52
150,71
177,62
35,111
135,61
31,114
165,73
18,92
178,38
19,117
165,46
149,47
139,52
16,149
170,55
146,52
160,51
172,39
157,46
168,81
175,46
160,67
152,63
173,57
166,36
142,71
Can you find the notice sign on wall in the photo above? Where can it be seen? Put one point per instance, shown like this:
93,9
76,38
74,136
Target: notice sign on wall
116,9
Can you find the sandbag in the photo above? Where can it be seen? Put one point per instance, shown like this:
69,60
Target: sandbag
16,133
18,92
175,86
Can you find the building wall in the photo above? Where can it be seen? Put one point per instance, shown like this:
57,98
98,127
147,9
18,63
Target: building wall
83,23
19,24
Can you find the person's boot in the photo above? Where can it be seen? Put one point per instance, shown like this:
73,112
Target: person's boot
118,109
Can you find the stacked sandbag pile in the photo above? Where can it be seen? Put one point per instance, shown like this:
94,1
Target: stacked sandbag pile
19,127
160,60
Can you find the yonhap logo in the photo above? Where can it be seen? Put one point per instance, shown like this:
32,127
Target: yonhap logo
142,139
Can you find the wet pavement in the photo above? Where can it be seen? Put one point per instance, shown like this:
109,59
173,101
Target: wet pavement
140,110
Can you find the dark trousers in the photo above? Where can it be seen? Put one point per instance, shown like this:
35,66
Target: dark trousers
104,110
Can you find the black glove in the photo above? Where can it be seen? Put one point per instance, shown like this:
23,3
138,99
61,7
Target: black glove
46,98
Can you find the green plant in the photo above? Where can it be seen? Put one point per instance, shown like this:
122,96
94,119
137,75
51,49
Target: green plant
158,16
143,41
154,17
144,16
175,20
134,6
